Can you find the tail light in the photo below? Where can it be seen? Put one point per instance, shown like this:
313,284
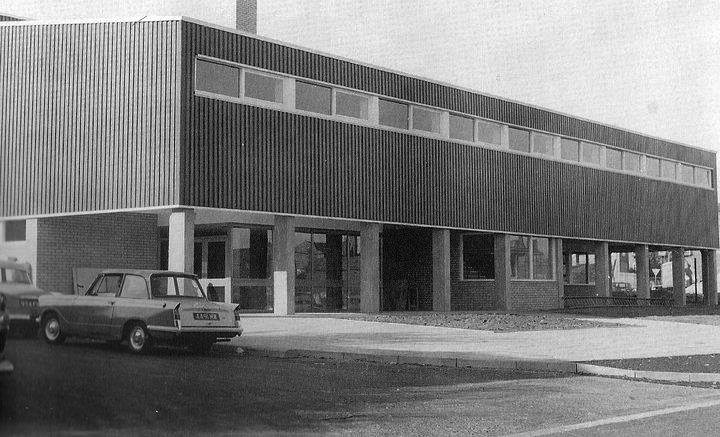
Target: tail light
176,316
237,315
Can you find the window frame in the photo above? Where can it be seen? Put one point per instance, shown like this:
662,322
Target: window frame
408,116
317,85
336,90
473,130
529,140
437,112
223,63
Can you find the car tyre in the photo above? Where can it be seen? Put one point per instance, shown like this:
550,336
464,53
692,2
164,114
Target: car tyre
139,340
51,329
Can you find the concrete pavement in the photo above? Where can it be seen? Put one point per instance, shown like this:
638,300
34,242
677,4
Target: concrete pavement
640,338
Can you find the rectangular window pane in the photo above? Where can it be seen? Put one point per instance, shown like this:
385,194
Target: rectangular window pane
519,257
478,257
488,132
686,174
393,114
217,78
667,169
613,159
703,177
543,144
542,258
313,98
426,120
461,128
653,167
252,253
262,87
569,149
519,140
351,105
631,162
591,268
590,153
15,230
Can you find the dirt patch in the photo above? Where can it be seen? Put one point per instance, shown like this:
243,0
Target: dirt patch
685,364
497,322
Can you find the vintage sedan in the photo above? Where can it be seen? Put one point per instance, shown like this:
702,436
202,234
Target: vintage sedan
20,294
140,307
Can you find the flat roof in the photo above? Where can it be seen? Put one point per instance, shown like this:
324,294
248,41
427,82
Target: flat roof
151,18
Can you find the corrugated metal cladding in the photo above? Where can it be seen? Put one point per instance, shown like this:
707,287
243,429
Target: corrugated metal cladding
263,54
89,116
9,18
257,159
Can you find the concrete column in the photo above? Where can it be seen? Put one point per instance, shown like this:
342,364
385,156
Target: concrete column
441,269
709,276
284,265
642,271
370,268
678,270
602,269
181,240
502,271
560,271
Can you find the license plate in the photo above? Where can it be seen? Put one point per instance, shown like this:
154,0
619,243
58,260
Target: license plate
206,316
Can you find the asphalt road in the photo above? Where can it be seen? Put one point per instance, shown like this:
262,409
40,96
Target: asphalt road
93,387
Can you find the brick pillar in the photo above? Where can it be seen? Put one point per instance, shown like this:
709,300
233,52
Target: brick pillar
602,269
709,277
502,271
370,268
642,271
678,270
284,265
441,269
181,240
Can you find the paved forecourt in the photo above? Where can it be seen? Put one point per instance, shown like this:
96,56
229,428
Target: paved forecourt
640,338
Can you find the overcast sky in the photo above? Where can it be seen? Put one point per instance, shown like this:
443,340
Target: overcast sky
648,66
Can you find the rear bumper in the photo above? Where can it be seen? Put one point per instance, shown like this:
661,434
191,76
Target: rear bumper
191,334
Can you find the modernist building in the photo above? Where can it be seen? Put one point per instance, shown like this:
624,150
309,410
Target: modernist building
298,181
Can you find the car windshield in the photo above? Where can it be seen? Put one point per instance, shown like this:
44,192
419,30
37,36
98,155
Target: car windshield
175,286
16,276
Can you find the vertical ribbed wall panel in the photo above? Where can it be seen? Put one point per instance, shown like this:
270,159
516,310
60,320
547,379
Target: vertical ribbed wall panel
273,56
88,114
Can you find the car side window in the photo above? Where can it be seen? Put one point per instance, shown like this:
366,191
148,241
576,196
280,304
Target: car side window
107,286
134,287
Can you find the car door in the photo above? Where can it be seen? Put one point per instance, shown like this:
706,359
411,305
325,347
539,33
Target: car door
95,309
133,303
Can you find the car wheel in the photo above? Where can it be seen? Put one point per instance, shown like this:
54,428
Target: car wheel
51,329
139,340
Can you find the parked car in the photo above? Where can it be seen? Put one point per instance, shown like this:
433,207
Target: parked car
4,324
623,289
140,307
20,293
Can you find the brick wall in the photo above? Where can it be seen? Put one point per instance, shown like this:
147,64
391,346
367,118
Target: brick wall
580,290
120,240
468,295
533,295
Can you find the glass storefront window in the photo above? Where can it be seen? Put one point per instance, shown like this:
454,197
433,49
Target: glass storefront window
541,259
252,253
582,269
519,257
478,256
